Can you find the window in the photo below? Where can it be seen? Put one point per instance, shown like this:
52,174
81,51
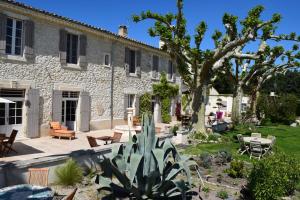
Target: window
170,69
12,93
155,63
131,98
15,112
70,94
106,59
132,61
72,48
14,29
2,114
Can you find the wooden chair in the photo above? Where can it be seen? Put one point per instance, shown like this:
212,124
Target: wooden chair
136,121
243,147
58,130
38,176
116,137
92,141
256,149
71,196
8,144
258,135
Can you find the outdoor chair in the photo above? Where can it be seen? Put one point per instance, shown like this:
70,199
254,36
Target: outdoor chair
269,148
115,138
256,149
92,141
38,176
243,147
258,135
8,144
58,130
71,196
136,121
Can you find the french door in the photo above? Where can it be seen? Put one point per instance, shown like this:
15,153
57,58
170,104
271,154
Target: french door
11,116
68,116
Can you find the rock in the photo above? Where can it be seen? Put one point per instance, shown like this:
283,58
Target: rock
298,122
294,124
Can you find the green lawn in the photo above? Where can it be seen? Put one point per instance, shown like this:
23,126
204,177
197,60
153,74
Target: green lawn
287,140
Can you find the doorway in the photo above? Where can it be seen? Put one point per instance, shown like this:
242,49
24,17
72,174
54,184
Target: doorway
69,109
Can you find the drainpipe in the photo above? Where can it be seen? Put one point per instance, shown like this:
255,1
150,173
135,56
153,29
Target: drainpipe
112,85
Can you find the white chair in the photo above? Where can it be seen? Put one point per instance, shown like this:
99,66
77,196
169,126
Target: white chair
269,148
256,149
243,147
257,135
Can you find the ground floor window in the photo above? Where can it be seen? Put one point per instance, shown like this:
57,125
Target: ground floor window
131,100
15,112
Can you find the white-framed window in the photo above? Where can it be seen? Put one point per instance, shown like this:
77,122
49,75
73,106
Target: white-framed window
132,61
72,48
131,100
106,59
170,70
14,32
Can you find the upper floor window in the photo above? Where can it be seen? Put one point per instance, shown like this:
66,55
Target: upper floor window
132,61
170,69
106,59
14,31
72,48
155,63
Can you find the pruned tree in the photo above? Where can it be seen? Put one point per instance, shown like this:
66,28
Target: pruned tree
197,66
256,68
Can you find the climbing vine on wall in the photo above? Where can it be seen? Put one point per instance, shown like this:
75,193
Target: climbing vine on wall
165,91
145,104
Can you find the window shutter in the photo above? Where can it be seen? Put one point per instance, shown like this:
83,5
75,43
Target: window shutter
84,114
29,39
170,70
56,105
137,105
127,60
3,19
174,73
32,115
125,105
138,63
82,50
63,46
155,64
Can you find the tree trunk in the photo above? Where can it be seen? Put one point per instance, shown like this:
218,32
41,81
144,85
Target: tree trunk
236,105
254,102
198,107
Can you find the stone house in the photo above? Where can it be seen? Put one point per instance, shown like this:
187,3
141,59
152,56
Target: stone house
58,69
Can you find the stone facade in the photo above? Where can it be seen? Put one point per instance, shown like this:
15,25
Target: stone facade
46,73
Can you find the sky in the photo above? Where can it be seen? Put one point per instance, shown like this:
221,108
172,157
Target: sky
109,14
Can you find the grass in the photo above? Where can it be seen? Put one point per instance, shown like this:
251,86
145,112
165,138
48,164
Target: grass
287,141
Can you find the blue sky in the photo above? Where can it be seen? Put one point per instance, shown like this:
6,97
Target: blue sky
110,14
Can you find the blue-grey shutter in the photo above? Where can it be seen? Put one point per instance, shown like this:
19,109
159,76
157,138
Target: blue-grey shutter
155,66
33,114
29,39
137,104
83,121
127,60
3,20
56,105
63,46
170,70
138,63
125,105
82,50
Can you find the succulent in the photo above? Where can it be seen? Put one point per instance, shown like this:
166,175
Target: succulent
145,168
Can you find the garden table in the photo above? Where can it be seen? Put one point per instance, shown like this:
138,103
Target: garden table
26,192
263,141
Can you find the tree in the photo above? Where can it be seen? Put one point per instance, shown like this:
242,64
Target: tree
195,65
255,68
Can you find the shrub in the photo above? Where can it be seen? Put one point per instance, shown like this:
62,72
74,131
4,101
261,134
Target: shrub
223,157
280,109
199,136
165,110
145,104
174,129
274,177
205,160
69,174
205,189
222,194
236,169
212,137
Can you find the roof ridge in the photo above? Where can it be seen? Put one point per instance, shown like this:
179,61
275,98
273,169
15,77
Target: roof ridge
23,5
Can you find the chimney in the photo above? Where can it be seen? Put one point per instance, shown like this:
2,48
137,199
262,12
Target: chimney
123,31
161,44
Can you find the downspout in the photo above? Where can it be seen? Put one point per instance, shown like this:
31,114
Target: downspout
112,85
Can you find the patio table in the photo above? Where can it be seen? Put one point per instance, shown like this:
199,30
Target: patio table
263,141
26,192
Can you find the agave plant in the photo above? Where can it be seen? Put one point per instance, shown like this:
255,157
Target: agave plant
145,168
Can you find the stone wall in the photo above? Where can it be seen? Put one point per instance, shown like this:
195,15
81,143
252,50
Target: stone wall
46,72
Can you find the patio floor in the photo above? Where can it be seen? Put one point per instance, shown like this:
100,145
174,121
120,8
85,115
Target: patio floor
45,146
